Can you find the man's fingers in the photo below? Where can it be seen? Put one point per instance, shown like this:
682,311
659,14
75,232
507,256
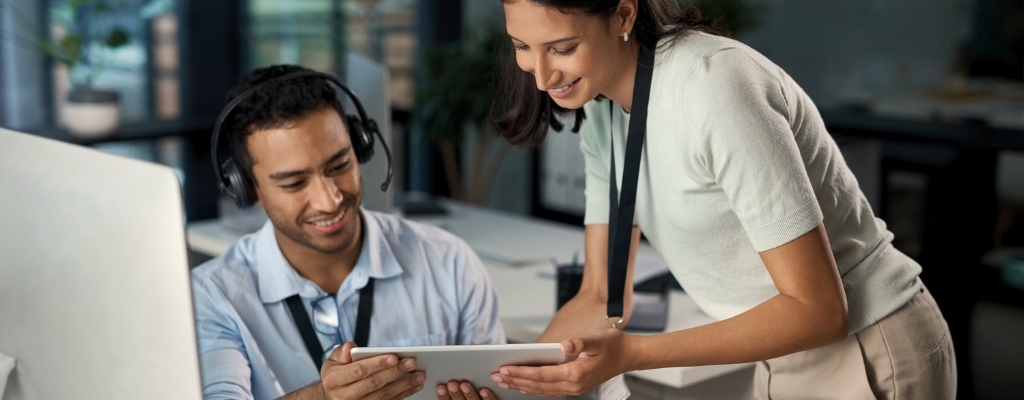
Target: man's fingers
343,375
398,389
454,392
487,394
380,379
342,354
410,392
468,391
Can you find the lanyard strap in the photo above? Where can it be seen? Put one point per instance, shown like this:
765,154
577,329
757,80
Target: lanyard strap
309,337
620,212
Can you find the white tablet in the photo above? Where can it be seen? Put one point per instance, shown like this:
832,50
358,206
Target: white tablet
472,363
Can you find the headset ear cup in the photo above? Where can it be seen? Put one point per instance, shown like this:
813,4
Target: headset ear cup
362,140
238,186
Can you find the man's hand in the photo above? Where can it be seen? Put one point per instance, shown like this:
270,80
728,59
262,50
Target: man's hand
369,379
455,390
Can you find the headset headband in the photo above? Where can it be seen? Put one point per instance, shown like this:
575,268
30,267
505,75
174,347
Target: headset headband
369,124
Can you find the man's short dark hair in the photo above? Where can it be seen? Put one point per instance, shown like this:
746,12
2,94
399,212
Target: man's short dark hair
273,106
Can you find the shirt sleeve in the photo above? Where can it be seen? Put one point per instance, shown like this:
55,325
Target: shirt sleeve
740,110
478,300
225,367
595,145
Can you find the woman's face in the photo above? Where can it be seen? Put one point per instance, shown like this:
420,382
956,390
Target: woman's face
574,57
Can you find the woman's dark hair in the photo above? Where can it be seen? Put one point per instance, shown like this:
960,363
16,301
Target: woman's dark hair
522,114
272,106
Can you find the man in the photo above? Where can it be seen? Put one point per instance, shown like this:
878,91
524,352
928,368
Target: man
292,141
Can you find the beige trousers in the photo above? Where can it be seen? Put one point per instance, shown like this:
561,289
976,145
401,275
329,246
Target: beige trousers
907,355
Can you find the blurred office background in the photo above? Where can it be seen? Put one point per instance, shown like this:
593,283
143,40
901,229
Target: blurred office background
925,98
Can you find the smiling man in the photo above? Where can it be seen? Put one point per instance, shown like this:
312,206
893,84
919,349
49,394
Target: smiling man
323,259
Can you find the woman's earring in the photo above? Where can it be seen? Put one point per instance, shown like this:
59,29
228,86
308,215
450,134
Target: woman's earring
625,36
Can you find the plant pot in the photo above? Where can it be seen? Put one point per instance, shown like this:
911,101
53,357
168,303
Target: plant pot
90,113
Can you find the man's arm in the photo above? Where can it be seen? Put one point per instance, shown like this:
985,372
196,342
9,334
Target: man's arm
225,368
227,376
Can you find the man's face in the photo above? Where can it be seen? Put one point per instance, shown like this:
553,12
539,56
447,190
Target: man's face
308,181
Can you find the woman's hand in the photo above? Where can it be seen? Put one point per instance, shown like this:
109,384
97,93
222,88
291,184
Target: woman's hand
601,356
456,390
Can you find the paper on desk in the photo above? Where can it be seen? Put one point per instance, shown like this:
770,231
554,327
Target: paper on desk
649,264
6,366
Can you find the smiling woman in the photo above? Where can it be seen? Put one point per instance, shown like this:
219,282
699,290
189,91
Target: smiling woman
736,183
587,51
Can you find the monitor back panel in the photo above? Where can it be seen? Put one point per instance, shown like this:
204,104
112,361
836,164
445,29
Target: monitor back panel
95,294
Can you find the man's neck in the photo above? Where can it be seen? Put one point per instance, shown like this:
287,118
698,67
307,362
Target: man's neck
326,270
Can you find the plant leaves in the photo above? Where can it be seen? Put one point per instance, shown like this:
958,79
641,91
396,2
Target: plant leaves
71,46
458,88
117,38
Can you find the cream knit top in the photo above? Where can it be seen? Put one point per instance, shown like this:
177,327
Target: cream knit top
737,161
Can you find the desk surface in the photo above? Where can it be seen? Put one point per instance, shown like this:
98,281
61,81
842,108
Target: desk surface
517,253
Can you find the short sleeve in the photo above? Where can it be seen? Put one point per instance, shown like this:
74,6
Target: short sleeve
747,143
225,368
595,145
478,301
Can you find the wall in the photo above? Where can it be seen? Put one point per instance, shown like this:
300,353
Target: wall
832,49
838,47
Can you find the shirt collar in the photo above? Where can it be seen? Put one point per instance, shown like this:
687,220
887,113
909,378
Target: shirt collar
278,280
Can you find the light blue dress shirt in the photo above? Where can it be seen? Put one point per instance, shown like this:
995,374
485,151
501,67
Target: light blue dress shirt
430,289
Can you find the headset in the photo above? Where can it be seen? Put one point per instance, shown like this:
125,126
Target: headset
233,181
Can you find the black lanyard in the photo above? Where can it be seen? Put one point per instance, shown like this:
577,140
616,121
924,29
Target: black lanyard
620,212
316,352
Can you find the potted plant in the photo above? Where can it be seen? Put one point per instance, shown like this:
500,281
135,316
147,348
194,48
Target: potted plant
453,103
81,40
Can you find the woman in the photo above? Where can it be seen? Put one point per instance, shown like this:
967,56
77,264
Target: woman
744,194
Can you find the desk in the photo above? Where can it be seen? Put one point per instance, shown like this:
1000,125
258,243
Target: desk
517,252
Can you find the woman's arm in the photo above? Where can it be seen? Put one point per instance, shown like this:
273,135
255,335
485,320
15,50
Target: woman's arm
585,313
809,311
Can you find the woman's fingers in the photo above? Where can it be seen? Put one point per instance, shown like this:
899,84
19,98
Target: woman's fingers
552,373
513,383
555,390
555,383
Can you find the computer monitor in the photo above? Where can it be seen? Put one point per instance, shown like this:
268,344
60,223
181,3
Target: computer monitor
95,293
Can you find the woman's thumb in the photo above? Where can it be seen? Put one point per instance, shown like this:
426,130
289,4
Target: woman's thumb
573,347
